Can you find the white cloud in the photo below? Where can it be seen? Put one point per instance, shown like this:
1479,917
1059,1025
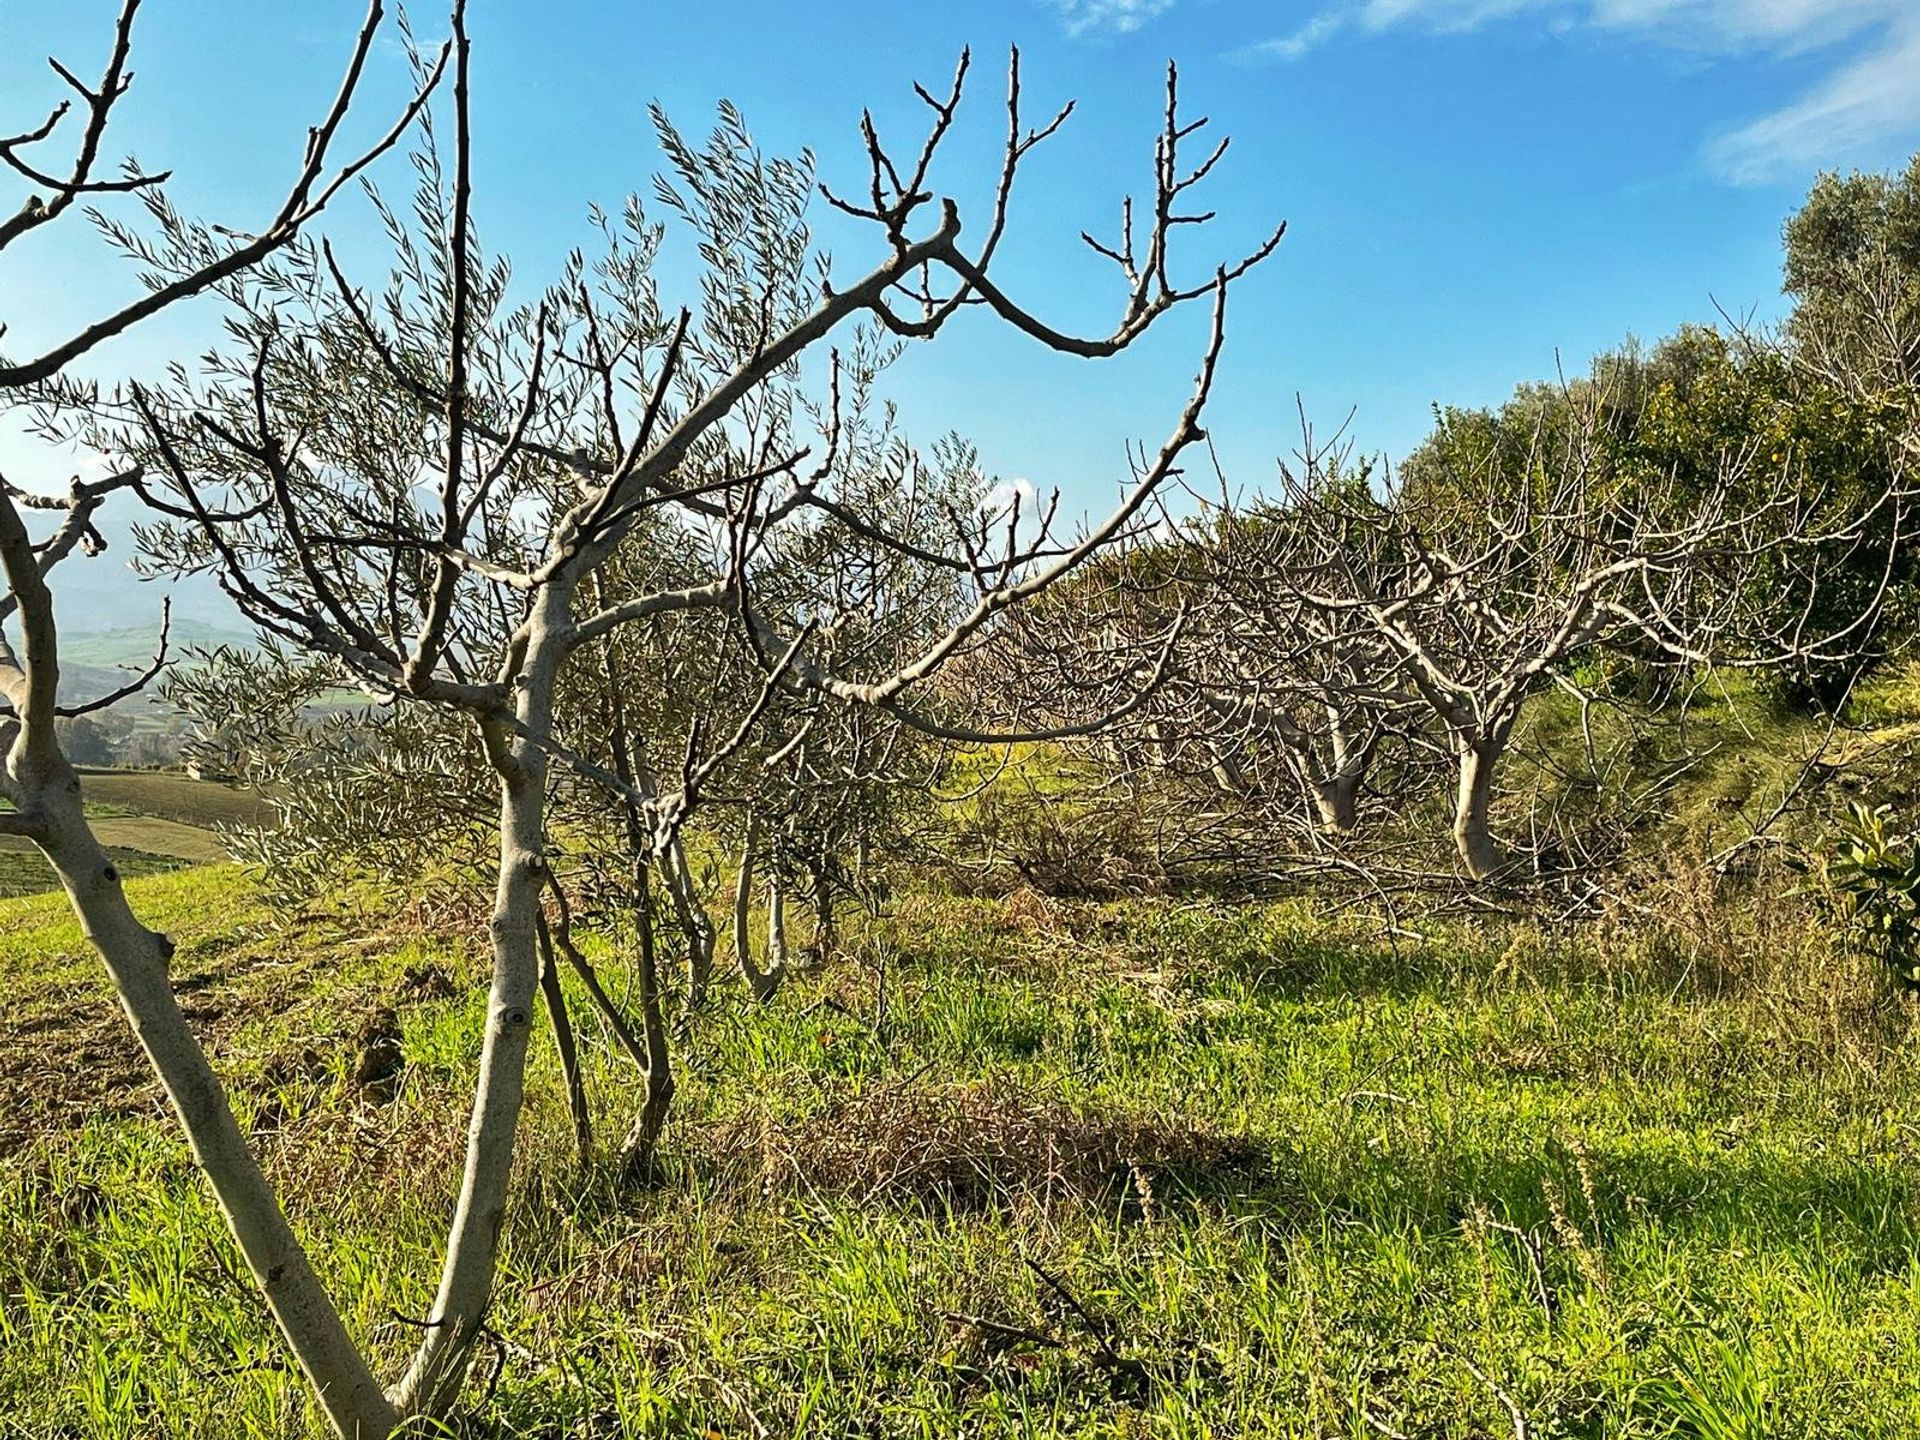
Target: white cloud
1873,98
1086,17
1375,16
1872,94
1446,15
999,498
1785,25
1321,27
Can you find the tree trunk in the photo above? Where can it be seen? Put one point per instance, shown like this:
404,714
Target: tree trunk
763,983
826,929
136,959
637,1153
556,997
677,876
776,930
433,1380
1473,806
1337,800
1336,766
1228,775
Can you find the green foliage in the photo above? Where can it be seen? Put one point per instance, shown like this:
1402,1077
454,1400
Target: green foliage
1869,881
1853,269
1708,405
1671,422
84,741
1832,407
1715,1390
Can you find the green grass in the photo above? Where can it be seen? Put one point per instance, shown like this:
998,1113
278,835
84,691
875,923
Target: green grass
1640,1180
24,872
149,822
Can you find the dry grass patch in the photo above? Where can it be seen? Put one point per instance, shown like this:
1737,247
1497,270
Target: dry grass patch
972,1146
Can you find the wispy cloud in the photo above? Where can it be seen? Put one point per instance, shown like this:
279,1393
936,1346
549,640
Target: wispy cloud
1117,17
1873,98
1435,17
1873,93
1787,26
1292,46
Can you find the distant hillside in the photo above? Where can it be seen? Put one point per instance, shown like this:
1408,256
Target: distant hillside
103,594
132,646
97,662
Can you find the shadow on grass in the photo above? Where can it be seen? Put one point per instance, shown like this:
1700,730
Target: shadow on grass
1744,1199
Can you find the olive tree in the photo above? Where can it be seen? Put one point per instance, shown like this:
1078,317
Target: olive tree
1853,270
445,552
38,781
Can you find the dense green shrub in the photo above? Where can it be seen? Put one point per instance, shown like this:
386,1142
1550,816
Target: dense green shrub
1870,882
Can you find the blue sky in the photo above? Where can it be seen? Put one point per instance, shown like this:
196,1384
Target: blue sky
1474,187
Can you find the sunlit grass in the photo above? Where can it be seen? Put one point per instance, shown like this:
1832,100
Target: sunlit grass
1641,1182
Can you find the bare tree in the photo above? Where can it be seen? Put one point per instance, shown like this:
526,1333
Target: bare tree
1266,733
38,781
444,551
1311,691
1510,564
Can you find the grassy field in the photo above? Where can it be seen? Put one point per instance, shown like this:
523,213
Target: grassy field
169,795
149,821
23,872
1024,1168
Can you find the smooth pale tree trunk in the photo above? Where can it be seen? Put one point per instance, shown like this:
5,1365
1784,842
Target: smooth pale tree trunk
1336,786
137,960
776,925
763,983
433,1381
1337,800
1473,808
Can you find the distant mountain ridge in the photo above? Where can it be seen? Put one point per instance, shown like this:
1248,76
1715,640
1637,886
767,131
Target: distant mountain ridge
104,594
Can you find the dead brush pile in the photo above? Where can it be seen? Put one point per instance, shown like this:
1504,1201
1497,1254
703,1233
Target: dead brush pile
972,1146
